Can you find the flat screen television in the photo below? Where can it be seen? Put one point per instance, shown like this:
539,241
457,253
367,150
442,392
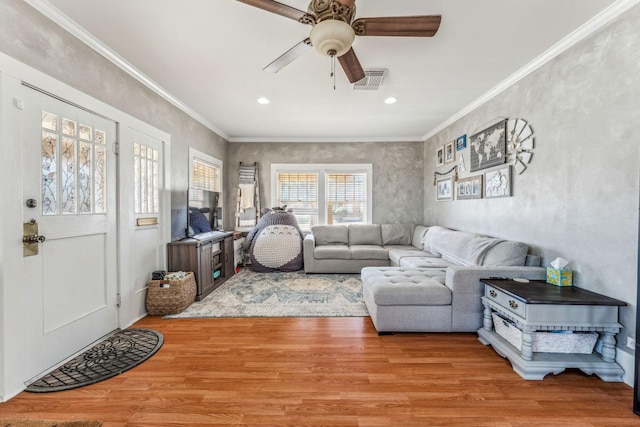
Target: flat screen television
203,212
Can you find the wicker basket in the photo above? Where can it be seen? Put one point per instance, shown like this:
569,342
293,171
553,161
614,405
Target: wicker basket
546,342
170,296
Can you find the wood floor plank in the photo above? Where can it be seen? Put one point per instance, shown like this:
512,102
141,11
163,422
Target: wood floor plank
327,372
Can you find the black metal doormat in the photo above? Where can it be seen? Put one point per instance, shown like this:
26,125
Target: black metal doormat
112,356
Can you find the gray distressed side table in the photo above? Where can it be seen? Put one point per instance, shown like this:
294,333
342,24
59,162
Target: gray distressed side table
539,306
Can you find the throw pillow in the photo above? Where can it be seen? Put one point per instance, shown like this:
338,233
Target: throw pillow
199,223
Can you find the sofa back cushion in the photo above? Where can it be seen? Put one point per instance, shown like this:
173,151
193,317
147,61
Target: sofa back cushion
464,248
364,234
418,235
506,253
396,234
330,234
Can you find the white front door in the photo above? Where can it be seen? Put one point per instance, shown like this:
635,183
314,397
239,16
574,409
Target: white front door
71,284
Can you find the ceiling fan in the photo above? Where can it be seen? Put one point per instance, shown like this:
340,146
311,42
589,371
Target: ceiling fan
334,30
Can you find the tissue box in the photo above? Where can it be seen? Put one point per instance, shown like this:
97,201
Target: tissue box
559,277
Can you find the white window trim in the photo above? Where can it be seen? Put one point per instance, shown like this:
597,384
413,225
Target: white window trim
323,169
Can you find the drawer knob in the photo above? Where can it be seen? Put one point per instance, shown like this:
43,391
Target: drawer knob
513,304
493,293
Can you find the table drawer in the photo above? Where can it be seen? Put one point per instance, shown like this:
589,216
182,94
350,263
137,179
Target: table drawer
506,301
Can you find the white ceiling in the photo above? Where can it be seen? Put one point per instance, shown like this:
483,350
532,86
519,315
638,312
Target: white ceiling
208,55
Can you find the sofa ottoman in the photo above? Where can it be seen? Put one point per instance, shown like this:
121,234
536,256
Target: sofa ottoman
407,299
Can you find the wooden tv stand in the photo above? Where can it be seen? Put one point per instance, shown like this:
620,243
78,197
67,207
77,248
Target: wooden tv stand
204,254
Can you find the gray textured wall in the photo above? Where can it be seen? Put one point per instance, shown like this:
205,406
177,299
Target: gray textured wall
397,172
28,36
579,197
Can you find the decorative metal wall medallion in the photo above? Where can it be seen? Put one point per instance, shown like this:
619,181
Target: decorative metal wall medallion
520,141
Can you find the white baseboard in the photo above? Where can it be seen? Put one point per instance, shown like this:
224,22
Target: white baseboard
627,361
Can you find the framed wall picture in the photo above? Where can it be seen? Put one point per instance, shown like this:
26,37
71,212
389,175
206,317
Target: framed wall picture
488,146
440,156
497,183
444,190
461,142
449,153
469,188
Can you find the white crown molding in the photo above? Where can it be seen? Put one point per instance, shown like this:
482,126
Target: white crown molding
585,30
48,10
418,139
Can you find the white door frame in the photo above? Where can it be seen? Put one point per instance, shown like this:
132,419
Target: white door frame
12,296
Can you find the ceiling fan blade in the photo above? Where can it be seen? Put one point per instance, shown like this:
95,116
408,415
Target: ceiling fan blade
398,26
351,66
277,8
289,56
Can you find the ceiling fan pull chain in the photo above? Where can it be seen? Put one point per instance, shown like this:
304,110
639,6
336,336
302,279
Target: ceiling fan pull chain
333,70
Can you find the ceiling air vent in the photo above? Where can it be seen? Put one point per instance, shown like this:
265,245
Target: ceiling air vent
371,81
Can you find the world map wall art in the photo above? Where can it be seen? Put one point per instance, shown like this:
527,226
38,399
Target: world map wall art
488,146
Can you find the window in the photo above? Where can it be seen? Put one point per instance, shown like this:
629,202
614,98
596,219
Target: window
346,198
205,173
299,191
145,171
323,193
206,176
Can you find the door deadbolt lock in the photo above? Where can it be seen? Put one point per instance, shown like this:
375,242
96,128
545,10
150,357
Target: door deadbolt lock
31,238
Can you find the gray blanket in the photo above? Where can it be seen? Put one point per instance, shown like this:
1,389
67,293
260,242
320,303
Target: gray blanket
458,247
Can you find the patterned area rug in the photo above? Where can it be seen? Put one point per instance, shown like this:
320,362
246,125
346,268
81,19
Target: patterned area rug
112,356
296,294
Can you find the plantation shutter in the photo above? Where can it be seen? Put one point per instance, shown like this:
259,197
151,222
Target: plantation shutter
299,191
346,198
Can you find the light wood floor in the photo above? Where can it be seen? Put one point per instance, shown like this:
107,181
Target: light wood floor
327,372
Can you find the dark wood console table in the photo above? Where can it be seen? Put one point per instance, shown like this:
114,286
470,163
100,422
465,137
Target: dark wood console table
208,255
539,306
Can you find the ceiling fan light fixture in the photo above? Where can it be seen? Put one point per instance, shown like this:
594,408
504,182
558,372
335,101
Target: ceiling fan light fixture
332,37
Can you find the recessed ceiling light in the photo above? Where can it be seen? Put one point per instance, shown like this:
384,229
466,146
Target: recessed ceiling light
390,100
263,101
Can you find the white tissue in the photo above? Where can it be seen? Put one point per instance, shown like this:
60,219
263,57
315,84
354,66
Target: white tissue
559,263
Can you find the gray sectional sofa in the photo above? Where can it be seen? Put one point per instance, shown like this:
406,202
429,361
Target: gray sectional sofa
419,278
349,248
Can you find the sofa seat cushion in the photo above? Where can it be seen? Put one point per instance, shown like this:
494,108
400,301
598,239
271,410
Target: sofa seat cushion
330,234
332,252
368,252
396,253
405,286
365,234
425,262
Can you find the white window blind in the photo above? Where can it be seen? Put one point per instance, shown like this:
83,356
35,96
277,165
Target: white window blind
205,176
324,194
346,198
299,191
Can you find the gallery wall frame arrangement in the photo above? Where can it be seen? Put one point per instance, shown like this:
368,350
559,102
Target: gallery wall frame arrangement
501,148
